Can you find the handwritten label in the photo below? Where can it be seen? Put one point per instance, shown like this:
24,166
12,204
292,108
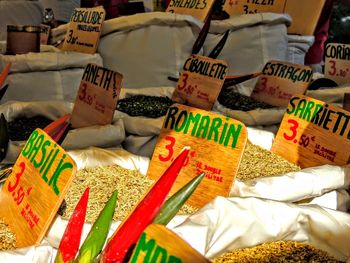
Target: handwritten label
200,82
84,30
313,133
159,244
237,7
197,8
337,63
216,142
35,189
280,82
97,97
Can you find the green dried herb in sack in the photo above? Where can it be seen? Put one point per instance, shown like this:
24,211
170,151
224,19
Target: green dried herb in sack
236,101
147,106
22,127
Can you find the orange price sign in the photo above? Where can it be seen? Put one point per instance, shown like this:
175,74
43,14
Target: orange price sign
280,82
84,30
97,97
337,63
217,143
200,82
313,133
35,189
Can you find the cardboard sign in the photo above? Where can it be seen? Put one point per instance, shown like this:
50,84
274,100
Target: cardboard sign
159,244
84,30
313,133
305,14
280,82
238,7
200,82
217,143
97,97
337,63
196,8
33,192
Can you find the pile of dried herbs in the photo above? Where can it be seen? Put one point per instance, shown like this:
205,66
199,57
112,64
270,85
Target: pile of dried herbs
7,238
236,101
280,251
21,128
257,162
103,181
147,106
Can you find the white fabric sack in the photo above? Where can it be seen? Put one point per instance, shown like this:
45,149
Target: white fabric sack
43,253
253,40
19,13
261,137
254,117
147,48
227,224
139,125
141,145
336,200
298,46
331,95
295,186
46,76
101,136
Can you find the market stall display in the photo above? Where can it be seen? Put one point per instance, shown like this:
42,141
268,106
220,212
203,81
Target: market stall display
212,188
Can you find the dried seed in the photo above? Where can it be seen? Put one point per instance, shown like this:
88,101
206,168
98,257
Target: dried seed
103,181
21,128
147,106
280,251
257,162
7,237
237,101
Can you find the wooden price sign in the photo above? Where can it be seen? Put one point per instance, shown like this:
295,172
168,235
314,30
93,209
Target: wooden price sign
33,192
196,8
84,30
97,97
216,142
337,63
200,82
280,82
313,133
238,7
159,244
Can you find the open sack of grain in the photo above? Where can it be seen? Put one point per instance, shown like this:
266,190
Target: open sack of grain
50,75
264,174
24,117
253,40
228,224
236,103
131,45
142,111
